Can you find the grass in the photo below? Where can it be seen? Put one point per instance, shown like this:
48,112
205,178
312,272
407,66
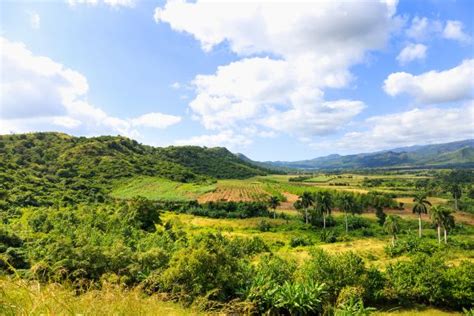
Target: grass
20,297
155,188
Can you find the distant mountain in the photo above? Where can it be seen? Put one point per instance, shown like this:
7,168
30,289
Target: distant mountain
454,154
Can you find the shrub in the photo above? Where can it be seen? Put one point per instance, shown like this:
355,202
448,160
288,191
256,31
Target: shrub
428,280
336,271
412,245
300,241
328,236
206,267
264,226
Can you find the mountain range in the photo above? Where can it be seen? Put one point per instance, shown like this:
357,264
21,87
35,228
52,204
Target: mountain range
453,154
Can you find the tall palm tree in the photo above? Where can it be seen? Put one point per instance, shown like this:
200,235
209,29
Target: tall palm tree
448,223
323,205
274,202
306,200
420,206
437,214
392,226
456,191
347,205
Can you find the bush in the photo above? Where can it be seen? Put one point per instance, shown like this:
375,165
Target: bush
412,245
328,236
206,267
428,280
336,271
264,226
300,241
357,222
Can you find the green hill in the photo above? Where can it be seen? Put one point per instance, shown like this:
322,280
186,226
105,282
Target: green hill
39,168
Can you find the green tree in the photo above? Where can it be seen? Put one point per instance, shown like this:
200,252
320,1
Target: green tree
437,218
306,201
273,203
456,191
323,204
392,226
348,205
448,222
420,206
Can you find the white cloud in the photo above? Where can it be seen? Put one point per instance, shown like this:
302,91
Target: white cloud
431,125
454,30
319,119
35,20
40,94
225,138
434,86
156,120
112,3
310,47
422,28
411,52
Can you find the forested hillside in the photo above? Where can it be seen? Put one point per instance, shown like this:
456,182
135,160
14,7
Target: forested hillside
39,168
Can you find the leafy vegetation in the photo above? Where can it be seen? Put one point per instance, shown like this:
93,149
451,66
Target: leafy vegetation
84,218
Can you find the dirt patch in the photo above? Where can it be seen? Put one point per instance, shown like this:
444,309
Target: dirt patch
290,199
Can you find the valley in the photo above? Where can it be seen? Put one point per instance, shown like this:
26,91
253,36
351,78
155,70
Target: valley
109,225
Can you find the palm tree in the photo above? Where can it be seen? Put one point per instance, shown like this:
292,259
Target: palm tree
437,218
448,223
392,226
306,200
323,205
456,191
274,202
420,207
347,205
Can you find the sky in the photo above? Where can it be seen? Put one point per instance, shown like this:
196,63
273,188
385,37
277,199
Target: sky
273,80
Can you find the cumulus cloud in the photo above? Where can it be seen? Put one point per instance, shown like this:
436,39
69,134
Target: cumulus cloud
38,93
422,28
309,46
454,30
434,86
411,52
112,3
430,125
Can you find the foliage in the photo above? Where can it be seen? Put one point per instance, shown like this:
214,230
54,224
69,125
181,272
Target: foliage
427,279
44,169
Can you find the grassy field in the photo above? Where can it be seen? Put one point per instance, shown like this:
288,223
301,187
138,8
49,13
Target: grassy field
20,297
155,188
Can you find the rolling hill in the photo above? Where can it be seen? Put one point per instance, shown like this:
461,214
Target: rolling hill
454,154
38,168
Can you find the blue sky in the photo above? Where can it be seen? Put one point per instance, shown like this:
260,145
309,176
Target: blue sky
275,81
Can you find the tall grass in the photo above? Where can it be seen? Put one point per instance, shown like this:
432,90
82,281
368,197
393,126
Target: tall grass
20,297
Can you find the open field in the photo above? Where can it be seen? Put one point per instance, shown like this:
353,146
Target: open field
236,190
156,188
